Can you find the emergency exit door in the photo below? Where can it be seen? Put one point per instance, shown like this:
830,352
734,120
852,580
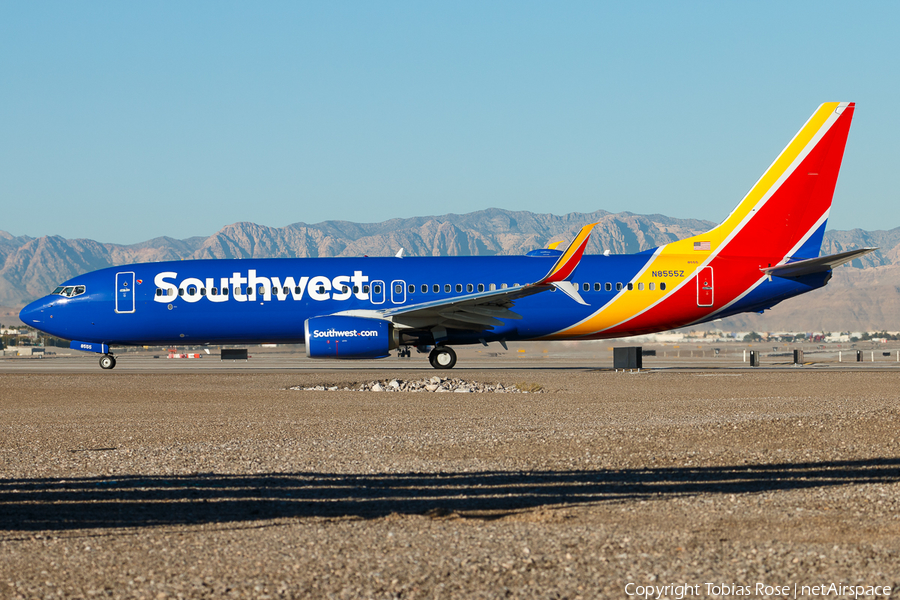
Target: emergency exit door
125,292
705,287
376,296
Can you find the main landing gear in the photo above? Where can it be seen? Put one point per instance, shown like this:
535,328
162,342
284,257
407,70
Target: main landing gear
442,357
107,361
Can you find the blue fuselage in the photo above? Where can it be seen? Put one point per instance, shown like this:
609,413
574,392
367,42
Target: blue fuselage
268,300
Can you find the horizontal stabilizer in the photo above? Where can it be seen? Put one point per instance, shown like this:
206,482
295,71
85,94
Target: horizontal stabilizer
815,265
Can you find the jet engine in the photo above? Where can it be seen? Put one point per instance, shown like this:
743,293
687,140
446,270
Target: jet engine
347,337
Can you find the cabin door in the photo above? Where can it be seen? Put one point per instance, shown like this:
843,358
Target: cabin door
125,292
705,287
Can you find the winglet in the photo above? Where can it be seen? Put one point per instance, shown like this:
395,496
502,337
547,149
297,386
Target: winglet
570,290
570,258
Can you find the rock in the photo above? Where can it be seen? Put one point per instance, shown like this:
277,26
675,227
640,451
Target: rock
432,384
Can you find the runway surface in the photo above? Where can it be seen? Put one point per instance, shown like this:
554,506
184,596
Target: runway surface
203,480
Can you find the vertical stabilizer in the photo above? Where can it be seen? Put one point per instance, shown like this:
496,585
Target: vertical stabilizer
783,215
781,220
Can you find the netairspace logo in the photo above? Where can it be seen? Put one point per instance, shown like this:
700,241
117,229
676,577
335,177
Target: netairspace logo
317,287
758,590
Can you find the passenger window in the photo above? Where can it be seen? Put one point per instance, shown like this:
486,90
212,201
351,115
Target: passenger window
662,286
355,289
618,286
597,287
344,289
192,290
398,289
377,289
586,287
608,286
435,288
321,289
446,288
262,291
181,291
287,290
159,291
458,287
202,291
480,287
630,286
503,286
297,290
224,291
493,287
640,286
469,287
213,291
652,286
365,289
424,288
411,289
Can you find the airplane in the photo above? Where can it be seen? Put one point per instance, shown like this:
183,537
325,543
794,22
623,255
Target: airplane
765,251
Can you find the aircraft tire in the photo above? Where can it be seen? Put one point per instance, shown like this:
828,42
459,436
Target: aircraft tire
107,361
442,357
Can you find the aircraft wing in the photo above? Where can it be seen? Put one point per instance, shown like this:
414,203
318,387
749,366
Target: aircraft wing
485,310
815,265
473,311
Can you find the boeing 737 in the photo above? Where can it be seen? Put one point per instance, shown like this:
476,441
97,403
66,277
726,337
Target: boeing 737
766,251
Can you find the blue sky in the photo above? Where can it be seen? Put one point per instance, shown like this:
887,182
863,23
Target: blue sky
123,121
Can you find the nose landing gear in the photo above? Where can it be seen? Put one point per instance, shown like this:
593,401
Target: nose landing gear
107,361
442,357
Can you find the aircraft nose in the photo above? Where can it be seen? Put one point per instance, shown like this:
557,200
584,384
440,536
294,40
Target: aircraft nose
34,314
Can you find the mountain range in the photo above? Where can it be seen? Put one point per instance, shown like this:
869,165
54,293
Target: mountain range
861,296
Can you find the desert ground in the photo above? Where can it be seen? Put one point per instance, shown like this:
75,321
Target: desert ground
193,482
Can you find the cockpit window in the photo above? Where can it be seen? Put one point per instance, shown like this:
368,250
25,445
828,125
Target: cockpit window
69,291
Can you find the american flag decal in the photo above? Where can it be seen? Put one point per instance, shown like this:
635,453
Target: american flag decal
701,246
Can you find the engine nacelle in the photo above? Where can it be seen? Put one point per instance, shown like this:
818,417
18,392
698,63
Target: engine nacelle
347,337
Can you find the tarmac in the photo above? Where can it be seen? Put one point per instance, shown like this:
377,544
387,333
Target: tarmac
201,478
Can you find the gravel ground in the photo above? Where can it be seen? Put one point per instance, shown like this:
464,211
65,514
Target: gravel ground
234,485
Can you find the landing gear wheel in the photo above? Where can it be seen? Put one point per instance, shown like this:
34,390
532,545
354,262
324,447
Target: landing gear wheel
107,361
442,357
